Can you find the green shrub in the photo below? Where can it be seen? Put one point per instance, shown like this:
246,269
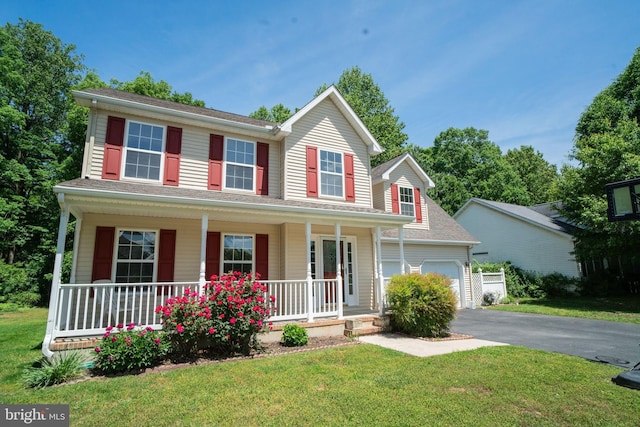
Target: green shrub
507,300
294,336
559,285
129,349
421,305
490,298
60,368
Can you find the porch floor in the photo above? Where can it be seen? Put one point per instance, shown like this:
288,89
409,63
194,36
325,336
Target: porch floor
357,321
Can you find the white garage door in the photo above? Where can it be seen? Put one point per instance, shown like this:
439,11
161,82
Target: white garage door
389,268
449,269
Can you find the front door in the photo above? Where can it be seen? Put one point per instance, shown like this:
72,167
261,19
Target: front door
329,268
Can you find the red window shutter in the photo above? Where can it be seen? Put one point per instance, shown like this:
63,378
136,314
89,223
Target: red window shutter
112,158
418,202
262,256
312,171
103,253
262,169
395,203
172,156
212,257
166,258
349,179
216,151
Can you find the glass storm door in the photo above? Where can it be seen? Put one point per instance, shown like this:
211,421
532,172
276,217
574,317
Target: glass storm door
329,269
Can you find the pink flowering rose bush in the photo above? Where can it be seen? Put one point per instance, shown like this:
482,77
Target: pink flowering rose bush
225,319
129,349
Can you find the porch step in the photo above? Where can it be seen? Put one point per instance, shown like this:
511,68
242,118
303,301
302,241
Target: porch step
369,325
61,344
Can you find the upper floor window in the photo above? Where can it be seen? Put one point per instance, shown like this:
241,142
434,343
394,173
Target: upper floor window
135,256
331,171
143,147
407,206
240,164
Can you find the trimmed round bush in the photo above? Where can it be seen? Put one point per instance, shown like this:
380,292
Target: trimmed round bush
422,304
294,336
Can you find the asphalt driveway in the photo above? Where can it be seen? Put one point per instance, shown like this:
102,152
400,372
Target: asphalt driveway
611,342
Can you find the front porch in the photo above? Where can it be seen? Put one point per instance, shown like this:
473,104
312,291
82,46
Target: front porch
84,311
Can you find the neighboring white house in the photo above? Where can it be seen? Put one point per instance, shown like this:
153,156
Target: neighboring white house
171,194
534,238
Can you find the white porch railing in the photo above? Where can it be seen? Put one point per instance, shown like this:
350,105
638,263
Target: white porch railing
87,309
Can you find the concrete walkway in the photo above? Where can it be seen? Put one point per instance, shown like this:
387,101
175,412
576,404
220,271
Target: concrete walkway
424,348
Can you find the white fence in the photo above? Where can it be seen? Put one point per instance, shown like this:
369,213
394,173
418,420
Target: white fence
484,283
87,309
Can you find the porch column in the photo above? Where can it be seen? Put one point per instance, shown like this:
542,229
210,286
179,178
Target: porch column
339,273
57,273
309,276
76,244
203,252
401,241
378,267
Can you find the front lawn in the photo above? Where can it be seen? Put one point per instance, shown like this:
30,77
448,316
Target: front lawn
352,385
616,309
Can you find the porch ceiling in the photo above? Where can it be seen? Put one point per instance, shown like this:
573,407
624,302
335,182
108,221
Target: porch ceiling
126,198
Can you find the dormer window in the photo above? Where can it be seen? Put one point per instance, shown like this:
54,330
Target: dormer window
240,164
143,151
331,174
407,206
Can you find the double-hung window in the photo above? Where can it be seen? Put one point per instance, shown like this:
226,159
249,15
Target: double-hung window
238,253
144,147
331,174
135,256
407,206
240,164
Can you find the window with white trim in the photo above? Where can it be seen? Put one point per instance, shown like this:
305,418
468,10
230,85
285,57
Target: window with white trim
331,174
240,164
407,207
144,146
135,256
237,253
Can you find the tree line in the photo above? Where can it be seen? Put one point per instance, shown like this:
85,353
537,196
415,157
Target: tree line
42,134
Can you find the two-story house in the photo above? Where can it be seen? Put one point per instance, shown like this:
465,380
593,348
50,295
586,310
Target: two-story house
172,194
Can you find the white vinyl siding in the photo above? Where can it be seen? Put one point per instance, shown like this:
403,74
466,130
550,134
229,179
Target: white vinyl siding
405,176
194,159
527,246
326,128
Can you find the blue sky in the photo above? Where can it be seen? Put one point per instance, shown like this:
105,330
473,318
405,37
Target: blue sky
522,69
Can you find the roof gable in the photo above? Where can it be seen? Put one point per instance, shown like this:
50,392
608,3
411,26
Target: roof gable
346,110
382,172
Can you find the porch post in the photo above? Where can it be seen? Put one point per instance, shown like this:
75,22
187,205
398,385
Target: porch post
381,289
76,244
57,272
309,276
203,252
401,241
339,272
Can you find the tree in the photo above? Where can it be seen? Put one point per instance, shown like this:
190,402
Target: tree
278,114
464,163
144,84
538,175
607,149
37,72
370,104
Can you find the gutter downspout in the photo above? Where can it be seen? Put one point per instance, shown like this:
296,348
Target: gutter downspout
57,273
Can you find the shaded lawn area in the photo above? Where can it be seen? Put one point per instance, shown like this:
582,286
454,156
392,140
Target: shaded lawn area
352,385
616,309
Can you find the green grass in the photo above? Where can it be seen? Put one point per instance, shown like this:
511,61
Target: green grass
353,385
616,309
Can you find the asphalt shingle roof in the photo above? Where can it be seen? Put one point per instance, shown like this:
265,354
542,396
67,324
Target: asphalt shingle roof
171,105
